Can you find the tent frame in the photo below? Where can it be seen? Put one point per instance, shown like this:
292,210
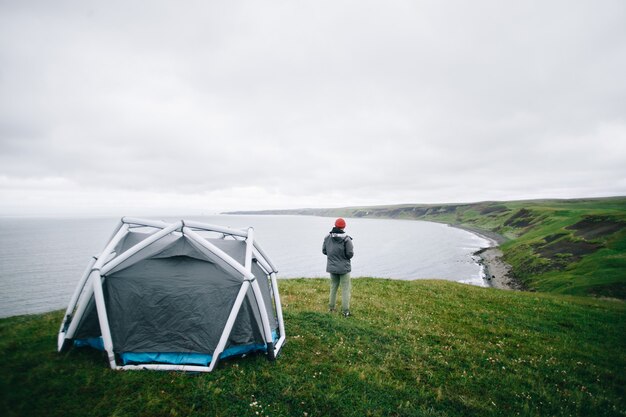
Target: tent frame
90,285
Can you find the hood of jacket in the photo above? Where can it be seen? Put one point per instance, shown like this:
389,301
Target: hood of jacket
338,234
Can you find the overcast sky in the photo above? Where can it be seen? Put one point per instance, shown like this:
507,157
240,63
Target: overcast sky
191,107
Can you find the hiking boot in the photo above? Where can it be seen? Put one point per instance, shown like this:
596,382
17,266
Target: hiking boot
331,310
347,314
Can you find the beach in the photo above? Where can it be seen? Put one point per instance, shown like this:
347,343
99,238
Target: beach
497,272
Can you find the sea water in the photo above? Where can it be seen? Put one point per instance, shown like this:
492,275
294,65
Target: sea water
42,259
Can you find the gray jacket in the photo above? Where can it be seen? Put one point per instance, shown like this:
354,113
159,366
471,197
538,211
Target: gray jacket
339,250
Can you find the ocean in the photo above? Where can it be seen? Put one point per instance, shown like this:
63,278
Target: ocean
42,259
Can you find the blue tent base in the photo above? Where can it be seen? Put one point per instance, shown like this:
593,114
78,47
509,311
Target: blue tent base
175,358
93,342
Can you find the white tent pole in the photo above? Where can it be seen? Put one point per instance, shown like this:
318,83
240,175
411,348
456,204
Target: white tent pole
139,246
262,261
229,324
84,300
72,304
214,228
264,255
258,294
79,288
80,311
103,319
279,308
119,225
217,251
262,310
249,245
109,248
159,224
279,345
248,266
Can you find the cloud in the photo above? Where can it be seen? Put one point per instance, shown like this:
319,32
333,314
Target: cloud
277,104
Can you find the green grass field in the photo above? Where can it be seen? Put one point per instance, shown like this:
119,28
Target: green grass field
573,247
418,348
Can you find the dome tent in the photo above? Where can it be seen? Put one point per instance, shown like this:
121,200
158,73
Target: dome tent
177,296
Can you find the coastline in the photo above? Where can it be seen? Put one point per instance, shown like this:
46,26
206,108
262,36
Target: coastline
495,269
495,238
497,272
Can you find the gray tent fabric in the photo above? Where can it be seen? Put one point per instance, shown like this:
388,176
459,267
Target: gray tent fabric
89,326
180,245
264,284
175,295
169,245
176,302
131,239
170,305
235,248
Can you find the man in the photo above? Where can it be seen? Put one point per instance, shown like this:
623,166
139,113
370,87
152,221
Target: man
339,250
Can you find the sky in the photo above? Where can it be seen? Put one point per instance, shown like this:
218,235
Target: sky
199,107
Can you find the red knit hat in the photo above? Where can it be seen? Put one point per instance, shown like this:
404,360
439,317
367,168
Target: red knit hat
340,223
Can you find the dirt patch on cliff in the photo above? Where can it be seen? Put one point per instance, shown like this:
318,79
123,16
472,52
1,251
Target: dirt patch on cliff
521,218
552,238
593,227
573,249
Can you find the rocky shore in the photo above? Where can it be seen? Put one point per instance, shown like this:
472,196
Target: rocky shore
497,272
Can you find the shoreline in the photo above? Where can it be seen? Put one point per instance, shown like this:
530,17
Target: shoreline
496,239
496,271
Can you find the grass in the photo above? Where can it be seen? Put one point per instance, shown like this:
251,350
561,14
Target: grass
418,348
582,259
573,247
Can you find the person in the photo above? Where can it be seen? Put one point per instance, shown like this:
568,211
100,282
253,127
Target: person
339,250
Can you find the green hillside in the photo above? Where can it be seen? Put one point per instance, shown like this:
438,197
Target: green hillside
413,348
562,246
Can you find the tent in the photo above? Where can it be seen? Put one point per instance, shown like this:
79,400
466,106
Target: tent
177,296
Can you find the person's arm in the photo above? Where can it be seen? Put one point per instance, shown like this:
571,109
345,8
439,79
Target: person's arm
324,247
349,248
